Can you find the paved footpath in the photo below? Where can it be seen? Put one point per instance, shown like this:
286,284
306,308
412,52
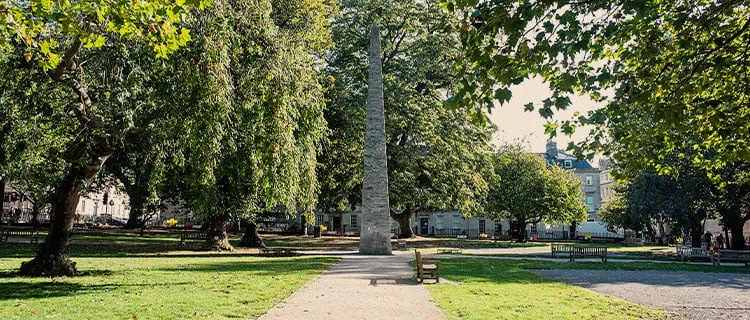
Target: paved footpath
361,287
691,295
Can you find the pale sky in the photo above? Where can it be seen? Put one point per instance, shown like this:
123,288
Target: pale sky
515,124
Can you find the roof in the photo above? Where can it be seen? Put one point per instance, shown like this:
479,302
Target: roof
562,157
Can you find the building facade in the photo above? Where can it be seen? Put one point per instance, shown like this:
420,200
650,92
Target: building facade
451,223
589,175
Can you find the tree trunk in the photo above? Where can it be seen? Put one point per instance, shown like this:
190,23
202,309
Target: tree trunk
520,231
53,257
738,238
34,216
136,211
696,237
217,237
2,187
404,223
251,238
573,227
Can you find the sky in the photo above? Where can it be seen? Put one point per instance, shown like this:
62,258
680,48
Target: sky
516,125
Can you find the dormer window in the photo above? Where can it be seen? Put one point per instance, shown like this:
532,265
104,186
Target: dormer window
568,164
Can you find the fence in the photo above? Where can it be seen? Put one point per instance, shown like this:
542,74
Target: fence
455,233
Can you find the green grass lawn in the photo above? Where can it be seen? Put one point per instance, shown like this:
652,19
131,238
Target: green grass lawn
137,284
499,289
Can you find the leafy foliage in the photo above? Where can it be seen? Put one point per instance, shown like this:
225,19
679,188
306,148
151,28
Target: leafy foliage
676,71
254,65
437,157
528,191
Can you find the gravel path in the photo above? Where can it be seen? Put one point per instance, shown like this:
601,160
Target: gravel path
691,295
361,287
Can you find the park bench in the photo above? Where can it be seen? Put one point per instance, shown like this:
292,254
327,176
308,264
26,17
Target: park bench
684,253
277,252
427,267
449,251
561,248
586,251
733,255
19,232
191,235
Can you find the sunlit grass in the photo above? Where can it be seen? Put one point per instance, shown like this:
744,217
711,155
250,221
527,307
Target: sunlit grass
498,289
180,285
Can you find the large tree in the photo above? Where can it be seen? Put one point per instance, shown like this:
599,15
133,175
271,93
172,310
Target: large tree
437,157
92,50
528,191
255,64
676,71
732,201
649,200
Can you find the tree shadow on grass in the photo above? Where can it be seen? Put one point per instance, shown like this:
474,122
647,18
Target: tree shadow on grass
87,273
28,290
19,290
264,266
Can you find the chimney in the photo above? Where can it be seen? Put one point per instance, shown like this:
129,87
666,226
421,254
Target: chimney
552,148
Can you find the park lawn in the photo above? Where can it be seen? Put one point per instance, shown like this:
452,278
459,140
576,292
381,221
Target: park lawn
197,285
499,289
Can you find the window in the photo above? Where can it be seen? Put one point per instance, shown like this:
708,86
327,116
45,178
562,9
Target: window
319,219
568,164
590,203
533,227
481,226
353,222
589,180
456,221
440,222
498,228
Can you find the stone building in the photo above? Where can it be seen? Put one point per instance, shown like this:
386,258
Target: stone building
589,175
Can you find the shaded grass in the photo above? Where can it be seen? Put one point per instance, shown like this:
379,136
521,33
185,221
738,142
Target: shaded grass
498,289
159,287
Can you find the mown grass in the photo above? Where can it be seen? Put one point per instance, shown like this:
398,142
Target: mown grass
122,284
499,289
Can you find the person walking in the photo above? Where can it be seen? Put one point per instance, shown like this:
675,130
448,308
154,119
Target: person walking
708,237
719,242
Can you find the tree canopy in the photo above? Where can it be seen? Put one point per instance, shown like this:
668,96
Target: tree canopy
526,190
437,157
672,74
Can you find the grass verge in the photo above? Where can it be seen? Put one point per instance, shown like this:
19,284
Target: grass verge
498,289
190,286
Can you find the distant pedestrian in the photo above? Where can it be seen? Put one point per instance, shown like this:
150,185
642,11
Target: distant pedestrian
719,241
708,238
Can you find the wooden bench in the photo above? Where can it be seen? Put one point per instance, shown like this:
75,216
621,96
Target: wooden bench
449,251
684,253
21,232
277,252
427,266
733,255
581,251
561,248
191,235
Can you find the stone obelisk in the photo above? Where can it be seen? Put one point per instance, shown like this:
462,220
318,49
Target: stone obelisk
375,235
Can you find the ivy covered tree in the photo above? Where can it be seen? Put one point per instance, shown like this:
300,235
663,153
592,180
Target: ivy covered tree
437,156
676,70
528,191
